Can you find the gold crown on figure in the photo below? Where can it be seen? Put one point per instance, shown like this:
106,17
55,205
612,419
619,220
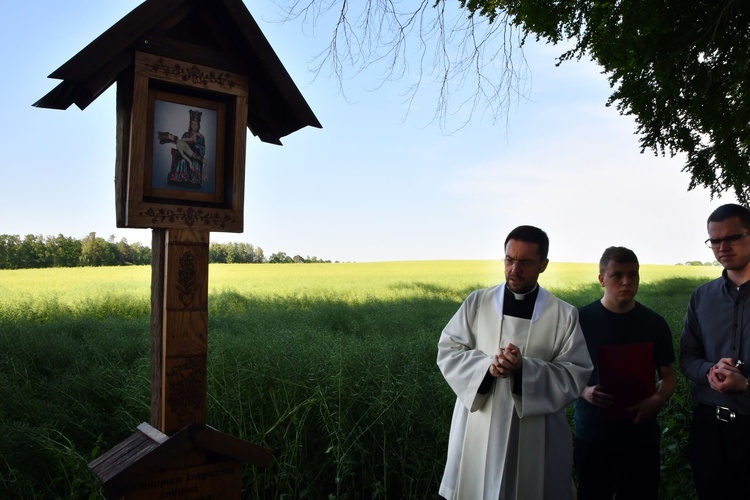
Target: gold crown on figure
195,115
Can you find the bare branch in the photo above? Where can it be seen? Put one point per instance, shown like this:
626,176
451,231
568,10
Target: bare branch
475,65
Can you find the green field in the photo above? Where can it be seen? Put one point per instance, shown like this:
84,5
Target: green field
331,365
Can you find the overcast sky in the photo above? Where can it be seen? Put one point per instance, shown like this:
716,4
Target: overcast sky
375,183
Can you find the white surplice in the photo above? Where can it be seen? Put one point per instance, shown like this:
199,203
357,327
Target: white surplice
504,445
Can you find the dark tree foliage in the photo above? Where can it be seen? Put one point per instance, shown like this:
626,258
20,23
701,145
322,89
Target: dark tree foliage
679,67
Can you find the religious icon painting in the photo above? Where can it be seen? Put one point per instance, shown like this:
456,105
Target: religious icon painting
186,148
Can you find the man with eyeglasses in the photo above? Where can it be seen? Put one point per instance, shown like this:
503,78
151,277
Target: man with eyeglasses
515,356
715,348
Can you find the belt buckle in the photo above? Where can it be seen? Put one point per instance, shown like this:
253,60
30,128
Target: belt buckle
724,414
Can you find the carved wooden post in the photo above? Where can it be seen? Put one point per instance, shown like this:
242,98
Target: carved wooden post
179,328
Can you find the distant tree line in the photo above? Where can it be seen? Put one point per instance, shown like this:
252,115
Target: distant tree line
246,253
36,251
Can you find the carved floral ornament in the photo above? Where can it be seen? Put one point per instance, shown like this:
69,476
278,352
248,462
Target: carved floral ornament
193,74
189,217
186,382
187,278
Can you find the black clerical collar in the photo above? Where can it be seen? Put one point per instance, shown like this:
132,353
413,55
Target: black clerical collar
523,296
519,305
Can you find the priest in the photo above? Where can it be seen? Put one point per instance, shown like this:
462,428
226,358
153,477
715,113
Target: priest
515,356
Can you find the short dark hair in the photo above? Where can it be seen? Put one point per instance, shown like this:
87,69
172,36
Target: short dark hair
530,234
621,255
724,212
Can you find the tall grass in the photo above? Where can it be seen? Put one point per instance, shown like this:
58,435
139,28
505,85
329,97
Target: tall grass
332,366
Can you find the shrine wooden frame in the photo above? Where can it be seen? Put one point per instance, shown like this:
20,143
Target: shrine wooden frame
160,86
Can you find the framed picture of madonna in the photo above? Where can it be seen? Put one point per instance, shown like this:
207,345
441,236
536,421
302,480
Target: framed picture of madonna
185,153
182,146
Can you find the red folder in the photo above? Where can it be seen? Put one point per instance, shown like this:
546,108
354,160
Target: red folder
627,372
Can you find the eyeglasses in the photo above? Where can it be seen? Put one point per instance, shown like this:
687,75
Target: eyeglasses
524,264
729,240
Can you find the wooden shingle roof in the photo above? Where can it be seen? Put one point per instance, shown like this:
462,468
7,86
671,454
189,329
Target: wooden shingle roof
216,33
148,451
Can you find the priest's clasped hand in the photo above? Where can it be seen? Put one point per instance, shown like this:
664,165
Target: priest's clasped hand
507,361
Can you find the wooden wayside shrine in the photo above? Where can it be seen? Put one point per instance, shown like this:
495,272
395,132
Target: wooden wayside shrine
192,77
